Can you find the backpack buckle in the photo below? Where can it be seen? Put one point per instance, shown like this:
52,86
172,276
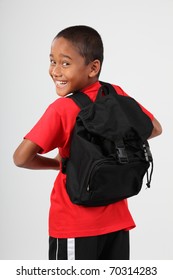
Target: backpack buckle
147,153
122,155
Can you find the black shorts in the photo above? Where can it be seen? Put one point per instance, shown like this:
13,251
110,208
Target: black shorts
111,246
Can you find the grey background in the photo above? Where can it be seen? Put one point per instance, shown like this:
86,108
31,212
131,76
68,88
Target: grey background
138,44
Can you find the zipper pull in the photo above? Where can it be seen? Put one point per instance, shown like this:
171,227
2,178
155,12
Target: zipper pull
88,188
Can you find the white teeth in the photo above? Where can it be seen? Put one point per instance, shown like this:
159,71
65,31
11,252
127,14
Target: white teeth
60,84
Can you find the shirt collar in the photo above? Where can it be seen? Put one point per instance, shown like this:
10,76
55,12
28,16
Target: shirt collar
93,87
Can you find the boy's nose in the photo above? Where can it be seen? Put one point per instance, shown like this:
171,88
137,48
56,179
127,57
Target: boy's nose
56,72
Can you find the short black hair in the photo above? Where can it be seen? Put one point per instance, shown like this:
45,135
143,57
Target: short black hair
86,39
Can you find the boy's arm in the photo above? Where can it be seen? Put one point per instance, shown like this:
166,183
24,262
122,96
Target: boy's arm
26,156
157,129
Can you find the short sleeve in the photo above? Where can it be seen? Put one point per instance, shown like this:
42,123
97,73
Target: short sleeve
48,132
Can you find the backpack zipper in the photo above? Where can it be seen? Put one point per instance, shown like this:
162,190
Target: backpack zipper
97,164
112,160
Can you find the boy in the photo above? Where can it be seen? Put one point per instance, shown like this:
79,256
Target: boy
76,232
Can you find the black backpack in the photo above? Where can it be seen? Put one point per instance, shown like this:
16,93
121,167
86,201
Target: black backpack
109,153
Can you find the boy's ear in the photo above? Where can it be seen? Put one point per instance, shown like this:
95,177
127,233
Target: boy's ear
95,68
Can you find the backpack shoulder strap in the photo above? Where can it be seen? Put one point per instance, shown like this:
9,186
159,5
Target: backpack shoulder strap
108,87
81,99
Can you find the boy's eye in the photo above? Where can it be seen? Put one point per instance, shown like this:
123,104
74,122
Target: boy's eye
52,62
65,64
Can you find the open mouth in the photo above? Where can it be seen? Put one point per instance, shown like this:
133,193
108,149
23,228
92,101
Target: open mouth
60,84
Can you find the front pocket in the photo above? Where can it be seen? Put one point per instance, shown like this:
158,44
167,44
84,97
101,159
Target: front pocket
110,181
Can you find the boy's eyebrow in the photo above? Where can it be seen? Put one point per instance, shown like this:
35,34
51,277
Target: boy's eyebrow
64,55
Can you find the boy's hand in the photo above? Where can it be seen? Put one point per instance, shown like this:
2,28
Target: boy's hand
58,158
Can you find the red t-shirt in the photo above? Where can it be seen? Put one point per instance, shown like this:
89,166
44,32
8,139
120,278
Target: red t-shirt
67,220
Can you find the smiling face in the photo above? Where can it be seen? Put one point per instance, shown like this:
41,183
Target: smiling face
68,68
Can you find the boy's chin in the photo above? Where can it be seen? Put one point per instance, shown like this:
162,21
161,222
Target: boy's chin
62,93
